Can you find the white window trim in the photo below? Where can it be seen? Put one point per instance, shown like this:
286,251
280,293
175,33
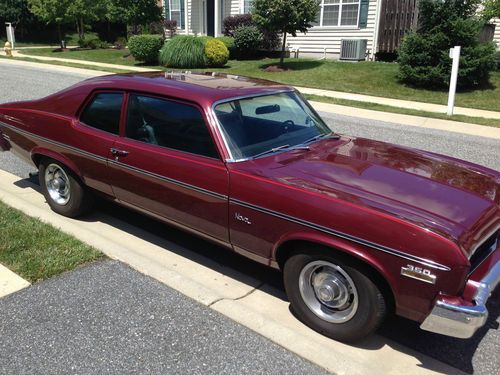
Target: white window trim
338,26
242,6
180,13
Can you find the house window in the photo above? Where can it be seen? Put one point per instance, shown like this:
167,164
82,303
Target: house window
174,10
246,6
338,13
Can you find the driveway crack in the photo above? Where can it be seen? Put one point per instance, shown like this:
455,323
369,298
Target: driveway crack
237,298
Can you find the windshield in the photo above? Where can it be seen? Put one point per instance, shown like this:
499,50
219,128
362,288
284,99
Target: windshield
255,125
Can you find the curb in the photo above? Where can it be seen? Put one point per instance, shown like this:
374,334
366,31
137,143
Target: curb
11,282
237,296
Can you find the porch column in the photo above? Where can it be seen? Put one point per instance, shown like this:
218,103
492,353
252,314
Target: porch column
217,21
186,18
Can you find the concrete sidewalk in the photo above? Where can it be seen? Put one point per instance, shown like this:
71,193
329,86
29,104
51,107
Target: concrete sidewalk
83,62
248,301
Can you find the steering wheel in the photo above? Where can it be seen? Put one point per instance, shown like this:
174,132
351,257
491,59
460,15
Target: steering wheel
285,126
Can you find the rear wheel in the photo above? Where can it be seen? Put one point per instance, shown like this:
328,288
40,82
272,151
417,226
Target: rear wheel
334,295
63,191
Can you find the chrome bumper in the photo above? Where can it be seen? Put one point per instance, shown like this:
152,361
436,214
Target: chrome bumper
463,321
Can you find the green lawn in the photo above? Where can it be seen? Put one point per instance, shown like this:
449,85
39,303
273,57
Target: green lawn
36,250
370,78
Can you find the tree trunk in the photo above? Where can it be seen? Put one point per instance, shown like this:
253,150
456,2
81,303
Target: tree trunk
78,28
82,28
59,34
282,58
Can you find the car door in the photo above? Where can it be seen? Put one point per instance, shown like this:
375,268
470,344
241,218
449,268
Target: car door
93,135
166,163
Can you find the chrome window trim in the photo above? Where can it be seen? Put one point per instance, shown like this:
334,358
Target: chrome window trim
231,158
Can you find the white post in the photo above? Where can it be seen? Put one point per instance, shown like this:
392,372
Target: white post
217,22
10,34
455,55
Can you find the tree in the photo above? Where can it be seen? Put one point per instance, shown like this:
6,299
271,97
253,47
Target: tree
133,12
491,9
285,16
423,57
85,11
51,12
13,10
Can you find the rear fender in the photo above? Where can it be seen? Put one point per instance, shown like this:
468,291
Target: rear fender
39,152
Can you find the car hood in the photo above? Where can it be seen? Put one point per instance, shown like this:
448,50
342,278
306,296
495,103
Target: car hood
451,197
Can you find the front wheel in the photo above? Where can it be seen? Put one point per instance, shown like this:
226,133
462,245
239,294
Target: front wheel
335,296
63,191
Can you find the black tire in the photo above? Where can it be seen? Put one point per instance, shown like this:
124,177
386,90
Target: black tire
79,199
362,317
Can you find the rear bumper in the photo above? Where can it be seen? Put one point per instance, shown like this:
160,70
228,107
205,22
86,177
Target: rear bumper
463,321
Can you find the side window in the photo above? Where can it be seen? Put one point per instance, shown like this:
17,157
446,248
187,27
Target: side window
169,124
103,112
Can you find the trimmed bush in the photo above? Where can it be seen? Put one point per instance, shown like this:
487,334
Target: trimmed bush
184,51
145,47
247,39
216,53
231,23
229,42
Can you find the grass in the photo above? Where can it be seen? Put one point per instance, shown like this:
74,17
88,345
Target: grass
404,111
369,78
36,250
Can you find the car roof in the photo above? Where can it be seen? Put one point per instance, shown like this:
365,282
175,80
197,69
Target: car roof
199,87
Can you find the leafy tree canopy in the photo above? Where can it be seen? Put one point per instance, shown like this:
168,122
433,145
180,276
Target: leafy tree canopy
285,16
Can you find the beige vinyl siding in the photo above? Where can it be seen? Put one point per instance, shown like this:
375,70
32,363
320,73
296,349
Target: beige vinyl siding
232,7
496,37
318,38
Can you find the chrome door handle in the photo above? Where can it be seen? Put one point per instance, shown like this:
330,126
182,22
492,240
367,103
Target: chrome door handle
117,153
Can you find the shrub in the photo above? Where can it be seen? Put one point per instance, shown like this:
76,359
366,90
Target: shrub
92,42
231,23
120,42
145,47
216,53
229,43
497,57
424,55
247,39
170,27
183,51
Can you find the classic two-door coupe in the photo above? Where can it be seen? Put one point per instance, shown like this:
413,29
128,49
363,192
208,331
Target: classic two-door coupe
359,228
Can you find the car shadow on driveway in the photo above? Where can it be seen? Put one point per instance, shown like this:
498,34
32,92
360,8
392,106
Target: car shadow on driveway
397,332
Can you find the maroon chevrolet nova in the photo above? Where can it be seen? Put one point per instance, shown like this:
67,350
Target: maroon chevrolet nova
359,228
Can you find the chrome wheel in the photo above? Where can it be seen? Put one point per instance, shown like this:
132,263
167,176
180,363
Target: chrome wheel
57,183
328,291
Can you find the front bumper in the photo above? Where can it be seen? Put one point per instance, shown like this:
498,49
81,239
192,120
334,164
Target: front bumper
460,320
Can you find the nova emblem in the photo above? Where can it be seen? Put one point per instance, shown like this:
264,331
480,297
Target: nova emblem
418,273
242,218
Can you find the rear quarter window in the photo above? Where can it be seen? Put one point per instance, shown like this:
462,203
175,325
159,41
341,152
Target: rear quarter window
103,112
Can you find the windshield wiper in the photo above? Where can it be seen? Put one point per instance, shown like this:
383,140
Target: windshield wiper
270,151
316,137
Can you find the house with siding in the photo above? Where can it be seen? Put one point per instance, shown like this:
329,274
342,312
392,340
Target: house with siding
380,24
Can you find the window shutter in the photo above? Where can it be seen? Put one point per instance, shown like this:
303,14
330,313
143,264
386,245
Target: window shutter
363,13
166,9
182,15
